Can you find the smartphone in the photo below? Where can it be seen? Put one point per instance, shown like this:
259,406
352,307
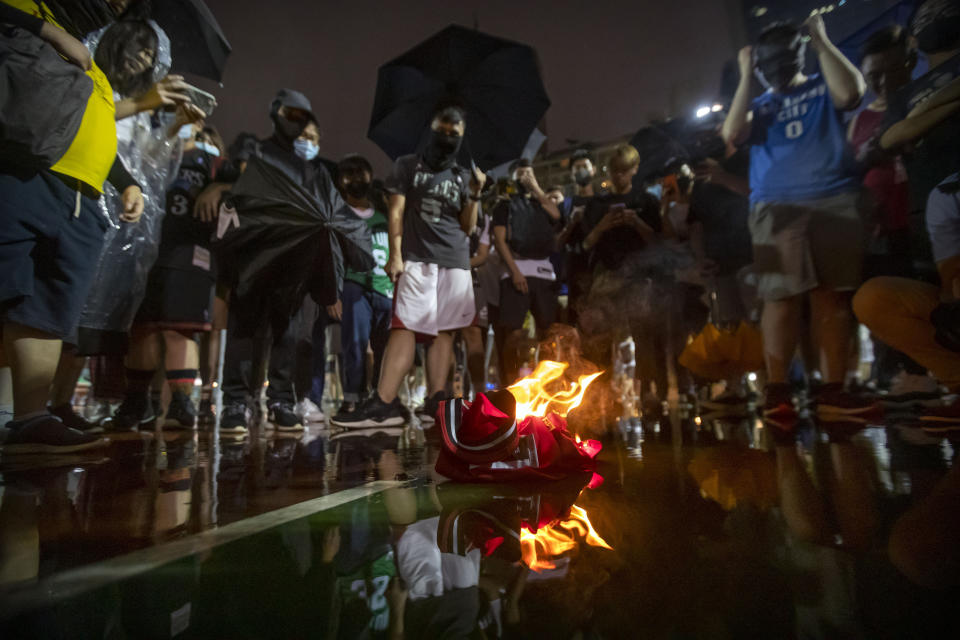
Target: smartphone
205,101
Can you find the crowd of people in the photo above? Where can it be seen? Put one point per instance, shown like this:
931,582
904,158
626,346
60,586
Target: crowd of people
806,208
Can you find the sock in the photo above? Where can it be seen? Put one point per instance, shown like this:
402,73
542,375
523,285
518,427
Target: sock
138,381
181,380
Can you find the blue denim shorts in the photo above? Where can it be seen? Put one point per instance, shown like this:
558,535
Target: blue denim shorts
51,236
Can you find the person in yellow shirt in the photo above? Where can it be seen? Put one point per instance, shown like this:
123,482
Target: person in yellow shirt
51,233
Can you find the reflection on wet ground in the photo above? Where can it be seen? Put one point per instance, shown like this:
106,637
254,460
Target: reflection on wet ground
702,528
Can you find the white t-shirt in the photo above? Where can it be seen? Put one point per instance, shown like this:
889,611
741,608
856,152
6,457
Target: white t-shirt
943,222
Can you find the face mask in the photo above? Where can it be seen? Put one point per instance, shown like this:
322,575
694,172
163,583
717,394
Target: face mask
357,190
186,132
287,130
937,26
781,64
582,177
208,148
656,190
442,150
305,149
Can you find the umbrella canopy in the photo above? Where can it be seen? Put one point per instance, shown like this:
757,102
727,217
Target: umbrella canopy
289,240
497,81
197,42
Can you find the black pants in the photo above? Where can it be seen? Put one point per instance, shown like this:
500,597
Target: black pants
540,300
244,358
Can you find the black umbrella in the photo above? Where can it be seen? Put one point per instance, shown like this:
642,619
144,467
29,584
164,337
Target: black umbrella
658,148
197,42
498,81
290,240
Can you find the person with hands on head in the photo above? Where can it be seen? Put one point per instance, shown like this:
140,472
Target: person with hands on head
524,231
805,221
433,204
51,234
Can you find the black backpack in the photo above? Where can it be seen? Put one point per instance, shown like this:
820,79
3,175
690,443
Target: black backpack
530,232
42,101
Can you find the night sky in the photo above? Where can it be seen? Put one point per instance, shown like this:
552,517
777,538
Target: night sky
608,66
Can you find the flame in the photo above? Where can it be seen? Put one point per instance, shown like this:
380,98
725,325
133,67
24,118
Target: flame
534,400
538,549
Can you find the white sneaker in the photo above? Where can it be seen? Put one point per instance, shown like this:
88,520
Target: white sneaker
309,411
910,390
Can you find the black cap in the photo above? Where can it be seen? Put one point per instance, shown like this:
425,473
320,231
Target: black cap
293,100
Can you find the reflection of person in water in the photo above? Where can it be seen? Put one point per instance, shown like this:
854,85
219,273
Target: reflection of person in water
442,594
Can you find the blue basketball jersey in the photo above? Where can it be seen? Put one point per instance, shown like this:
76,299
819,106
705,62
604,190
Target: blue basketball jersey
799,149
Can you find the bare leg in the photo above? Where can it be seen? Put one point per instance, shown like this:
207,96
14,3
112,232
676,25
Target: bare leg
800,503
144,352
831,322
181,353
854,495
439,361
65,382
33,356
397,360
780,324
473,336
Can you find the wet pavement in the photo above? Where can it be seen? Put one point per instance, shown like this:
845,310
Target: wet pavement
702,528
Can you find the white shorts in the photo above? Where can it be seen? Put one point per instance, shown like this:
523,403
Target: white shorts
429,299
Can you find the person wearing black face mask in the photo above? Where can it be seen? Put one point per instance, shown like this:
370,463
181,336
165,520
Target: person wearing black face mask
366,304
805,223
433,206
923,118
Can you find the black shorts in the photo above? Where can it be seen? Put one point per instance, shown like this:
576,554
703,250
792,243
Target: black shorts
48,251
177,299
540,299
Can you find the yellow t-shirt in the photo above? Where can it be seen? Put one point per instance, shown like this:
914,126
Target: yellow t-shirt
94,148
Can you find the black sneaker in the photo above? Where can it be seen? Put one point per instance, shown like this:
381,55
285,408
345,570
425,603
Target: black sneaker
233,418
283,417
373,412
181,414
347,409
73,421
205,414
133,412
428,412
47,434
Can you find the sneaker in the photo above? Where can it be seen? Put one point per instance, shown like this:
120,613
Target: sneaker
726,403
73,421
373,412
778,402
47,434
132,413
911,391
181,414
205,414
283,417
832,399
233,418
346,412
428,412
782,428
308,411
